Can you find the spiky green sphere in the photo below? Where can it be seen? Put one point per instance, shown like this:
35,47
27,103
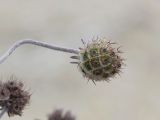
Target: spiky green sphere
98,60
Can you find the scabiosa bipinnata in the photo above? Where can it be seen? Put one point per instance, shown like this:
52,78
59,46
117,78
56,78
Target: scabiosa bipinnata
98,60
58,115
13,97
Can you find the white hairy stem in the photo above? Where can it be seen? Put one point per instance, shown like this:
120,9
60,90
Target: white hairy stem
3,111
37,43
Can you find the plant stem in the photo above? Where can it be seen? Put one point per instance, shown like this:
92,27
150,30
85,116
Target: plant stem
38,43
3,112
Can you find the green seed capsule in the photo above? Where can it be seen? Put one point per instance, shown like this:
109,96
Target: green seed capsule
98,60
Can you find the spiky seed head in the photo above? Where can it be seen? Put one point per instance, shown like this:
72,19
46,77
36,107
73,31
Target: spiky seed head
98,60
13,97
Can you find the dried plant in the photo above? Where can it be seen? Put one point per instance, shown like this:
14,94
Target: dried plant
98,60
13,98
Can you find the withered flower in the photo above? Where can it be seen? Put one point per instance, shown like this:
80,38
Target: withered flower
13,97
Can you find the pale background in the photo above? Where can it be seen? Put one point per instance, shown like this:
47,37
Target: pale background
55,83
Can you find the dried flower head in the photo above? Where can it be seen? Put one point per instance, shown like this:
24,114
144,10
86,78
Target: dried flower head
13,97
58,115
99,60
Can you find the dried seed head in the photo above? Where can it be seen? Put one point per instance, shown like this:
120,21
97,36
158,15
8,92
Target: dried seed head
15,98
58,115
99,60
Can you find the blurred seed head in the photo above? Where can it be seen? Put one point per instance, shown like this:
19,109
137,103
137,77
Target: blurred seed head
13,97
58,115
99,60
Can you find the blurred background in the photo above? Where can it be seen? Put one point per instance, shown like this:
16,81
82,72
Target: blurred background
55,83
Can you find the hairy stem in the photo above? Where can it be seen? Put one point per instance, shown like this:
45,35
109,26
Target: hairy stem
3,111
38,43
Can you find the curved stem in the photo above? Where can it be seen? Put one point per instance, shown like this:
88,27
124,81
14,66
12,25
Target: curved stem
3,112
38,43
